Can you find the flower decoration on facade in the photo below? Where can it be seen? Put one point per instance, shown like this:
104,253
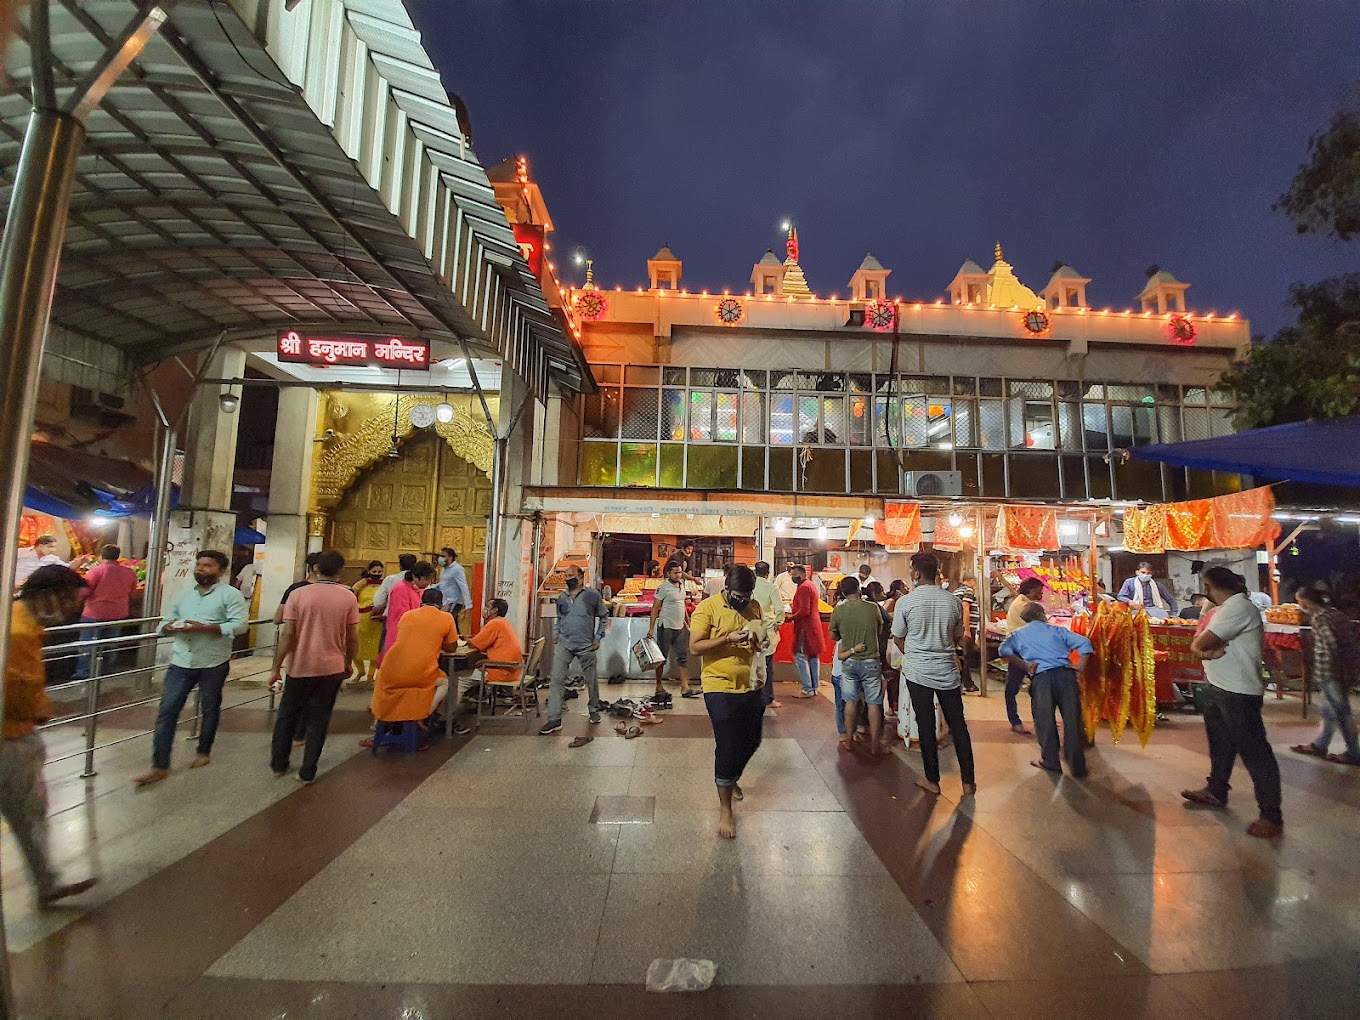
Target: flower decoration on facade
1181,330
1036,322
729,311
590,304
880,315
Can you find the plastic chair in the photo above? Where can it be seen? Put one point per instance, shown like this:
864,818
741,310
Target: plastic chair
526,686
406,739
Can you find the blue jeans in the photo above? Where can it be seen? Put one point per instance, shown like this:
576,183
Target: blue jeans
809,671
1335,709
179,681
1053,692
861,680
1015,679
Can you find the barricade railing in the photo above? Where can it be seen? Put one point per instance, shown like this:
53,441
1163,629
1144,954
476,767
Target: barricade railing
90,655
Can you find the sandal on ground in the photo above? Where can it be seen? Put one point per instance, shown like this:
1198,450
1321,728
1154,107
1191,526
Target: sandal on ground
580,741
1341,759
628,732
1309,750
691,694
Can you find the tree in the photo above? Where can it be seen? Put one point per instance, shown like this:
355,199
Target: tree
1310,370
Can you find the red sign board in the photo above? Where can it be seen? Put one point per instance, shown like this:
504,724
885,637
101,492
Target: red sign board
354,351
530,240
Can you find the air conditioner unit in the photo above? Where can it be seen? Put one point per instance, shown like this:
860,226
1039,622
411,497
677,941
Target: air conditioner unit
932,483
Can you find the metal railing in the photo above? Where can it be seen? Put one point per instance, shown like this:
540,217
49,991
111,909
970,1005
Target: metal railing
94,652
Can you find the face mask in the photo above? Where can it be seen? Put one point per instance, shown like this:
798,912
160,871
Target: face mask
1143,575
738,602
573,583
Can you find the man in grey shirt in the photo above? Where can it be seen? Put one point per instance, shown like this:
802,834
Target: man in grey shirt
928,626
577,633
670,627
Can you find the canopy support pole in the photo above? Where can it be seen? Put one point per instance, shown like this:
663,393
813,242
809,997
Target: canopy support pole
984,577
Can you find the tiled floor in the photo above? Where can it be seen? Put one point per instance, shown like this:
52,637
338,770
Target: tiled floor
472,881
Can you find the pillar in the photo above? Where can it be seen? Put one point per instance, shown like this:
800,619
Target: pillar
290,487
210,438
513,539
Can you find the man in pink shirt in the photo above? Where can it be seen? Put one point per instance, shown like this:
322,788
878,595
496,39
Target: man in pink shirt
321,633
110,587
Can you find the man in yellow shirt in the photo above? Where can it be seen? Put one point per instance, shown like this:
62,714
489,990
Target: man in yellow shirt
49,597
727,631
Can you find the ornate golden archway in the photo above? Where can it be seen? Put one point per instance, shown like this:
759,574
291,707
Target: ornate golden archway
435,491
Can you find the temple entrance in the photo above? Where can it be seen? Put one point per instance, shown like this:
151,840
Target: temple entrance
418,502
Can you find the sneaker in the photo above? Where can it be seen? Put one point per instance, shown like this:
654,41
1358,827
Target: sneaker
61,892
594,718
571,693
1203,798
460,730
1263,829
551,728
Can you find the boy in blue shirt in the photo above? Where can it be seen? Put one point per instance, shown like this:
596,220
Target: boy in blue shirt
1044,652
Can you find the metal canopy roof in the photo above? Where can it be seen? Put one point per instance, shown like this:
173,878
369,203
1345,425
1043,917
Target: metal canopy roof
314,176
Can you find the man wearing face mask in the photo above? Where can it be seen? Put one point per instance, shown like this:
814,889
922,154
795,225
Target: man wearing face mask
1142,590
577,633
453,584
203,620
49,597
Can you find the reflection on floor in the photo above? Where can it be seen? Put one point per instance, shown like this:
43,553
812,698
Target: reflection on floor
510,875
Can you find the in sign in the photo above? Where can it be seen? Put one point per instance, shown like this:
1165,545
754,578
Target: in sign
353,351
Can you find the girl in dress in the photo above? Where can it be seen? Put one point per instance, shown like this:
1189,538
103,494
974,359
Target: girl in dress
370,630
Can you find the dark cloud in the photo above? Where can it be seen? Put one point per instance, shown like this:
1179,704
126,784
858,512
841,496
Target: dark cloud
1107,135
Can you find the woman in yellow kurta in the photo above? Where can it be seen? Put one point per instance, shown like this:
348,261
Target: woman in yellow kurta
370,630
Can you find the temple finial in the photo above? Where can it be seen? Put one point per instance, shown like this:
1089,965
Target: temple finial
998,251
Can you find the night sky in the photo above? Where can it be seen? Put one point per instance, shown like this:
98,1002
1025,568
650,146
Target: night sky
1109,135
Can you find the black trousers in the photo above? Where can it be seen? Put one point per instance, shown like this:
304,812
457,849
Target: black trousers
1052,693
951,704
738,722
1234,726
311,699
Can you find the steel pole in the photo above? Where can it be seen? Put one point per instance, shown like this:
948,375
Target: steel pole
160,524
29,256
491,564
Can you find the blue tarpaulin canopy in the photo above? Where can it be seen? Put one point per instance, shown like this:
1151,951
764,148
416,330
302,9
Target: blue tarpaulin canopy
1315,452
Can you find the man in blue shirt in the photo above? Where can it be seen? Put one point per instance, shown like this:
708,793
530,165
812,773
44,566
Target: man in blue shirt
577,633
454,587
1044,652
203,619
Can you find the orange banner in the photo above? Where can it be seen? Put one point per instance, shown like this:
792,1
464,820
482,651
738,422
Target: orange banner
1245,520
1145,529
1027,528
947,537
1190,525
901,527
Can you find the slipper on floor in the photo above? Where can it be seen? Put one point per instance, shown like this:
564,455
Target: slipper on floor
652,720
1341,759
628,732
1309,750
580,741
691,694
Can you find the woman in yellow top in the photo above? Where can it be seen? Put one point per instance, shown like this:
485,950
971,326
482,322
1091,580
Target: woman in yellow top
370,630
727,631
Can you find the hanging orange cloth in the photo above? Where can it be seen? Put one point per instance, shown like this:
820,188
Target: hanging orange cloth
1243,520
901,525
1027,528
947,537
1145,529
1190,525
1119,682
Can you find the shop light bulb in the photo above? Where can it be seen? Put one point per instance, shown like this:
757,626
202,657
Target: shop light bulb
821,531
779,524
443,413
956,519
1068,528
868,520
966,531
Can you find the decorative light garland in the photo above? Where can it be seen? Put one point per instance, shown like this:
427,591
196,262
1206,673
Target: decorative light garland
1036,322
1181,330
591,304
880,315
729,311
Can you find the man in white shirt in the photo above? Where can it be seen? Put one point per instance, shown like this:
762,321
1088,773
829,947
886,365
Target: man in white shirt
670,628
405,562
772,612
1231,649
42,553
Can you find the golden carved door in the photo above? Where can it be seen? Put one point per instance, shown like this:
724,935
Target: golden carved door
419,502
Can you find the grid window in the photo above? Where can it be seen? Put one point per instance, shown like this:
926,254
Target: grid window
991,425
807,420
1196,423
860,422
781,419
700,416
753,418
673,414
915,422
833,421
725,426
1069,429
639,414
965,424
887,423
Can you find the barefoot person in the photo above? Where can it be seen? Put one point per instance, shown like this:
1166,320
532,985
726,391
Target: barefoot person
1331,671
670,629
49,597
928,626
1230,646
727,631
855,624
1042,651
